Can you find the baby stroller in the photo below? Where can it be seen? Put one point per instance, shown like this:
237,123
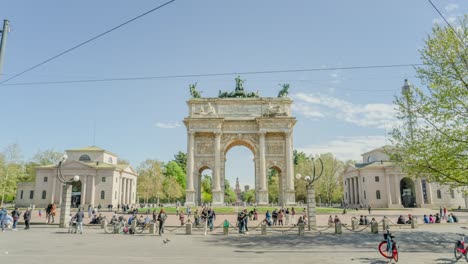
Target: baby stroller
72,225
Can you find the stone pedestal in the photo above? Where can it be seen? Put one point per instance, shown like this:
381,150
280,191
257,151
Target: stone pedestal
289,198
190,198
262,197
218,198
66,205
152,229
374,228
414,223
354,223
385,223
133,226
104,223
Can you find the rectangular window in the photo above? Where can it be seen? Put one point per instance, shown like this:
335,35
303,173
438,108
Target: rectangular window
44,195
103,195
363,179
103,179
46,179
365,195
31,194
21,195
452,193
377,179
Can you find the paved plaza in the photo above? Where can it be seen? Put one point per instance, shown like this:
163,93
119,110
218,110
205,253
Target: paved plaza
50,244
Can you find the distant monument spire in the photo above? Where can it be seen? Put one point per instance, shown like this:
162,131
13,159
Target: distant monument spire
238,190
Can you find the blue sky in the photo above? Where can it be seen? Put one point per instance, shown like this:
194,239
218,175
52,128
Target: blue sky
345,112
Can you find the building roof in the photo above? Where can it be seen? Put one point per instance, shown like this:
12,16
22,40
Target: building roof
375,164
95,165
382,149
91,149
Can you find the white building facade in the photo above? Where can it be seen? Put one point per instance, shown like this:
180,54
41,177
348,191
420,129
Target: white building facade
381,184
102,181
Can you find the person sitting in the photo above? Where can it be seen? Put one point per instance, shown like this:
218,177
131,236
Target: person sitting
94,221
300,221
114,219
426,219
410,218
401,220
431,219
366,221
344,211
361,220
337,220
437,218
450,219
147,220
455,219
330,220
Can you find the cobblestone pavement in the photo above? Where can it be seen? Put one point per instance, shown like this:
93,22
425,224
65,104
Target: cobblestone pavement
49,244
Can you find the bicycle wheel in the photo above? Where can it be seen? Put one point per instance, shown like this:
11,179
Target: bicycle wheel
140,229
457,252
395,252
109,229
383,249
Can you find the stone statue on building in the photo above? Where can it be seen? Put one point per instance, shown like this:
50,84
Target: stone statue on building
284,90
193,91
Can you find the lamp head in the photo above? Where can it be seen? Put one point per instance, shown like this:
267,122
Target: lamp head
76,178
298,176
307,178
64,157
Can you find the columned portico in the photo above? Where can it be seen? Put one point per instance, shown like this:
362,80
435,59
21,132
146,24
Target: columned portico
93,191
83,190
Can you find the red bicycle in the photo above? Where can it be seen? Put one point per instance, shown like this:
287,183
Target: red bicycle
388,248
460,249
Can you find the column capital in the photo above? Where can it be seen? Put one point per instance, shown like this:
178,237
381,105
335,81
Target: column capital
217,133
262,133
288,132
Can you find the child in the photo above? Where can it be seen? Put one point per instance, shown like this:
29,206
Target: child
40,213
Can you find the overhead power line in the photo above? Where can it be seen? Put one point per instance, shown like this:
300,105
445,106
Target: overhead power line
446,21
87,41
215,74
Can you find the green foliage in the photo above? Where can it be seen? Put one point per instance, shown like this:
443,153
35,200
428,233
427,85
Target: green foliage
229,195
172,190
173,170
329,186
47,157
206,189
273,186
433,141
181,159
248,196
150,180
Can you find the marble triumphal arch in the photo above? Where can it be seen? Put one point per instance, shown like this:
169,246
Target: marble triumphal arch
264,125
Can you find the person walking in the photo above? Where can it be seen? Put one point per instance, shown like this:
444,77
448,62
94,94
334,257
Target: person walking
90,211
49,207
79,221
3,215
445,213
293,216
369,209
15,214
52,213
27,218
161,219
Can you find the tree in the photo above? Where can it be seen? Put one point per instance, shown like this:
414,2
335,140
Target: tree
10,171
229,195
248,196
172,189
47,157
433,139
150,180
206,189
273,186
181,159
329,186
303,166
172,169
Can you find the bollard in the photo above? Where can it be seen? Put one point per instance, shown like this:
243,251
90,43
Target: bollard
414,223
301,229
384,223
188,228
264,229
225,227
354,223
104,223
133,226
338,227
152,229
374,227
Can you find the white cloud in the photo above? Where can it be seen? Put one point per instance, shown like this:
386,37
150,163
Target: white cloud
168,125
451,7
318,106
347,148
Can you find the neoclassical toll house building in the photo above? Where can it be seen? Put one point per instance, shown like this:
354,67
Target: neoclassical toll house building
380,183
102,181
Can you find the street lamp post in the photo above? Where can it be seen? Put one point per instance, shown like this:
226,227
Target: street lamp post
66,194
311,215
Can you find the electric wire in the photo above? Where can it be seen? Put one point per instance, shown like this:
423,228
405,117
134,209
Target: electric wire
214,74
87,41
446,21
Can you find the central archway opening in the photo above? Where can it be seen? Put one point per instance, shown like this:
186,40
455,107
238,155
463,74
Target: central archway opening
239,178
204,186
408,195
275,185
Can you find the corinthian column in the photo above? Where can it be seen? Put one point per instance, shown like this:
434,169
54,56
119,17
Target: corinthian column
218,194
289,197
262,192
190,149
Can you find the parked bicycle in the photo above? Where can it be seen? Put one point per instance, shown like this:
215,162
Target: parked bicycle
142,227
388,247
460,249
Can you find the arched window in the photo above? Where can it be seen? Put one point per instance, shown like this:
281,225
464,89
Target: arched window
103,195
452,193
21,195
377,194
439,194
84,158
44,194
109,160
